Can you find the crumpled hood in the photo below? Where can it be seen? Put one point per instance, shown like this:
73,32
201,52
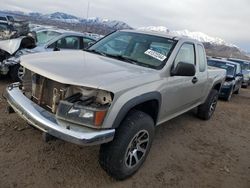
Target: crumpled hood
27,51
10,45
13,60
90,70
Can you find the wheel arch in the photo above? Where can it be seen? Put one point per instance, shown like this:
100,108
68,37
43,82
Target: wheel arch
217,86
148,103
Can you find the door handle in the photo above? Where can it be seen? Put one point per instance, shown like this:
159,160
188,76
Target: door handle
194,80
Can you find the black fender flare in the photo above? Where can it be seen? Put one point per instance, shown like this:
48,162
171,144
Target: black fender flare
134,102
215,84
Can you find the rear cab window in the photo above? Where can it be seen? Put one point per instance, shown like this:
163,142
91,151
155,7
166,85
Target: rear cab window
202,58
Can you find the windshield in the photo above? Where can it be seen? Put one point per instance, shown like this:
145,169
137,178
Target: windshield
4,27
230,68
43,37
244,65
140,49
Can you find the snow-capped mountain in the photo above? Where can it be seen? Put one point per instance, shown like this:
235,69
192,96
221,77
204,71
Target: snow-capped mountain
59,16
63,17
202,37
110,23
155,28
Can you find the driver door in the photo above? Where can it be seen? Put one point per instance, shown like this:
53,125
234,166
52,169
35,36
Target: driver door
182,92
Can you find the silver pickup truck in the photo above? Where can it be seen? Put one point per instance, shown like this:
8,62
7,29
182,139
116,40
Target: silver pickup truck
116,93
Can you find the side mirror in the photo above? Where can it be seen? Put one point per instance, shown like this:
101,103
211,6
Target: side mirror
56,49
229,78
239,74
89,44
183,69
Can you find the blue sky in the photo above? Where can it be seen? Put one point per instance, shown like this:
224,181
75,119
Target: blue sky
227,19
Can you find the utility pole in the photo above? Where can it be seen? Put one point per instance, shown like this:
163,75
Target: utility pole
87,17
88,10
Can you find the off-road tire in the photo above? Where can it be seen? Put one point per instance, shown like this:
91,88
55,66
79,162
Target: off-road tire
204,110
112,155
229,96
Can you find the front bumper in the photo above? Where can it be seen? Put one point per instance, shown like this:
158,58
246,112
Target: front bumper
48,123
225,91
245,83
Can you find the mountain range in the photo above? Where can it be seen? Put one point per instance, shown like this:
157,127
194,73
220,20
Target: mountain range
202,37
61,18
214,46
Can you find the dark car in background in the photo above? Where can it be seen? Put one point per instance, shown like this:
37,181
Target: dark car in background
233,80
245,66
12,28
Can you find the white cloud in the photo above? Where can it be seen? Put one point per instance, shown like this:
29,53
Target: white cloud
227,19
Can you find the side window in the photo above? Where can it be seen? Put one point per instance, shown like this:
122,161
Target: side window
53,45
239,69
186,54
202,58
70,42
87,42
3,27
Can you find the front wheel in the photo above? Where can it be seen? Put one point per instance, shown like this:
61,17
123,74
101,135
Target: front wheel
206,110
17,73
228,98
123,156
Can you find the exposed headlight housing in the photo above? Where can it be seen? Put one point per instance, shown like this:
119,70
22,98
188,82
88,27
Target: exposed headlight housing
82,115
86,107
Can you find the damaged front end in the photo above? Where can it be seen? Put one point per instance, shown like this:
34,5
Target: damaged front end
79,105
12,50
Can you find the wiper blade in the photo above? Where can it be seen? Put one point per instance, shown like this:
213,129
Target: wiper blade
95,52
126,59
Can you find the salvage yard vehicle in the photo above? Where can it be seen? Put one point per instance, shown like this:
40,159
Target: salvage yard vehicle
47,40
245,70
233,79
116,96
12,28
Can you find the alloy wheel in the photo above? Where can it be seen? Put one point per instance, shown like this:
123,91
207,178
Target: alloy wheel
137,149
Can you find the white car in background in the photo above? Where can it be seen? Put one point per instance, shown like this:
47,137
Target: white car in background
47,40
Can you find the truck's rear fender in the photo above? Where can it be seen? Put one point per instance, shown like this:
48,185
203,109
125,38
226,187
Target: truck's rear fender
217,86
148,103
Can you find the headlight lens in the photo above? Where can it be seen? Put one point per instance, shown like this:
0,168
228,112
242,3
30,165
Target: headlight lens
78,114
227,84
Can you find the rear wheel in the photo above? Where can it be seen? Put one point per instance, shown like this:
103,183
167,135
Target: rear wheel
206,110
123,156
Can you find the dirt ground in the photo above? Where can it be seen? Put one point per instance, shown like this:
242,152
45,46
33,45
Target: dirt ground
187,152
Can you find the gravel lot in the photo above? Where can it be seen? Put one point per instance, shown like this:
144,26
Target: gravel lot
186,153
